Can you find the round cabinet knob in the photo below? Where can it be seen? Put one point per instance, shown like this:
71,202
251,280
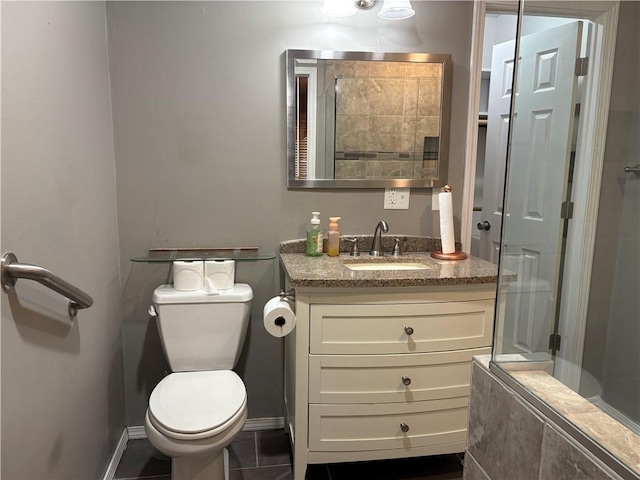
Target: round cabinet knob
408,330
404,427
406,380
484,226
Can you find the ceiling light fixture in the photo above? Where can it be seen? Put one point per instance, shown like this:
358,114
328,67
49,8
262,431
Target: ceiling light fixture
391,9
364,4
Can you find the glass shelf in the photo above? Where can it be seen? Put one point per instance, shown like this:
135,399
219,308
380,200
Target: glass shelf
167,255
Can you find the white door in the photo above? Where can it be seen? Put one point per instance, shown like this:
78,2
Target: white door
538,170
496,151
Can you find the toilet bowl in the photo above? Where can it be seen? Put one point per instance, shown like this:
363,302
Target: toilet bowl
192,416
196,411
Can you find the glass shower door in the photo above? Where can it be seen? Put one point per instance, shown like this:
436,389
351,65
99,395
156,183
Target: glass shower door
588,240
538,181
611,360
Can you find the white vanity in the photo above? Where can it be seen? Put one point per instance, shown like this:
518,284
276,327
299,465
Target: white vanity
379,363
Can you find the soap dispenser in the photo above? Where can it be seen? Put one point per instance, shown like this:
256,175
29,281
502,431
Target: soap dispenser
314,236
333,237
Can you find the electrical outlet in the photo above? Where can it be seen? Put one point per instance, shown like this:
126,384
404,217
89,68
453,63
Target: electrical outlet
396,198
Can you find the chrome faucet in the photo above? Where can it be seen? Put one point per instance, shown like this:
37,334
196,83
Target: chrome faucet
376,247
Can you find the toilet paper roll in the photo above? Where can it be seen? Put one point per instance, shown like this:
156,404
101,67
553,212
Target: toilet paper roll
279,318
219,275
446,222
187,275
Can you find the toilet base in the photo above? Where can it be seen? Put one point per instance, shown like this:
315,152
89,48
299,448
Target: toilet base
210,467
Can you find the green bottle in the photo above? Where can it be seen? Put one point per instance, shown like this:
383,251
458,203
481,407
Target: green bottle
314,237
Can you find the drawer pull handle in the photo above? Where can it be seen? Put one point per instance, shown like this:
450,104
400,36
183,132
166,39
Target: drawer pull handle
408,330
404,427
406,380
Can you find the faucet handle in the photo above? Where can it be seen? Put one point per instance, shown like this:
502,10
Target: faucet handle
396,248
355,252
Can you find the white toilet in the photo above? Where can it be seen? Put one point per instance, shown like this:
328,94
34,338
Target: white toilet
198,409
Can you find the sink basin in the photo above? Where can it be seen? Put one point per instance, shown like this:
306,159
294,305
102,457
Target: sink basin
389,266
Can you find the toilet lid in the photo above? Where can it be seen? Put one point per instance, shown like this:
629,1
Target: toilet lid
194,402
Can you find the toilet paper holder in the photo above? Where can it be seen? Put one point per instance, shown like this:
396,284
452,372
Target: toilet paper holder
288,295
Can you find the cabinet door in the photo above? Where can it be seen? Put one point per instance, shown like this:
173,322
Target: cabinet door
342,428
400,328
390,378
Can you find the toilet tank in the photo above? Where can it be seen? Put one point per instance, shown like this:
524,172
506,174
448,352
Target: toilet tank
200,331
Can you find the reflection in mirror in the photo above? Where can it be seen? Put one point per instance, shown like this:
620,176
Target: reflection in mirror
367,120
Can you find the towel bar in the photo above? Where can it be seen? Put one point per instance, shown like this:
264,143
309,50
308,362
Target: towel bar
635,169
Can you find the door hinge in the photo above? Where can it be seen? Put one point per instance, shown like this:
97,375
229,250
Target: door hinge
566,210
554,341
582,65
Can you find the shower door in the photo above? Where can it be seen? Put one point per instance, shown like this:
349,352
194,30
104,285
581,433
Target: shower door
611,360
620,377
540,152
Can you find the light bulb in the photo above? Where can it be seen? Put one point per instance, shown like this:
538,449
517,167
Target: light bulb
396,10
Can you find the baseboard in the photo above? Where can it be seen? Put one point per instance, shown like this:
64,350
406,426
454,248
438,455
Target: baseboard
266,423
117,456
137,432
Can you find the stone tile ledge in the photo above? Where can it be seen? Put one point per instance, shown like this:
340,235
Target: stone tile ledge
610,434
613,436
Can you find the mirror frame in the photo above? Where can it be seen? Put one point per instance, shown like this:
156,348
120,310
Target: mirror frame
445,117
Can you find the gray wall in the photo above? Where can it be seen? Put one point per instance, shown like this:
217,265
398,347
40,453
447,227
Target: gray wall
611,351
199,123
62,381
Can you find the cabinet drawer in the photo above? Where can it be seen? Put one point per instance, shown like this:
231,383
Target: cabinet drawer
382,378
404,328
379,427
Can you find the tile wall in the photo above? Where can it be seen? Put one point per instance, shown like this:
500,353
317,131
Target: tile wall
507,438
387,118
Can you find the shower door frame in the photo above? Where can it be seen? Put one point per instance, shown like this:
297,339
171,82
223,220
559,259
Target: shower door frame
588,175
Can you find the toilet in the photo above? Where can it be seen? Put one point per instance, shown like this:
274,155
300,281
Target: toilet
197,410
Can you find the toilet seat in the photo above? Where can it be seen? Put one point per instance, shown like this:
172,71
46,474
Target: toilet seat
197,405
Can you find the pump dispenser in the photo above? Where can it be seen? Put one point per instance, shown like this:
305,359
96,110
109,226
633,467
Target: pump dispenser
333,238
314,236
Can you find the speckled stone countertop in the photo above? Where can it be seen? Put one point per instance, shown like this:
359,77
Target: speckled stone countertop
325,271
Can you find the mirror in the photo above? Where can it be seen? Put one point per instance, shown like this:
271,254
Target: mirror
367,119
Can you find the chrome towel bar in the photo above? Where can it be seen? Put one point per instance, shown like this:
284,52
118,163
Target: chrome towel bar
11,271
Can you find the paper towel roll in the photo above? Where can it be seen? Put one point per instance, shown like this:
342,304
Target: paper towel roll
187,275
446,222
279,318
219,274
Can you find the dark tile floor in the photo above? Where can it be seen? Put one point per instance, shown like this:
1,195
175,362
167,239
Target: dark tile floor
266,455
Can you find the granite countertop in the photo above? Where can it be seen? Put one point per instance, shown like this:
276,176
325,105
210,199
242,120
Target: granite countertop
326,271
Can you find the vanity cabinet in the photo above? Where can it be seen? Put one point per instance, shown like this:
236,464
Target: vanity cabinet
382,373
